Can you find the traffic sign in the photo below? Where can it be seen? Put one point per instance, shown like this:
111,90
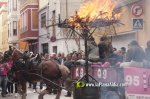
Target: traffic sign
137,10
137,24
53,39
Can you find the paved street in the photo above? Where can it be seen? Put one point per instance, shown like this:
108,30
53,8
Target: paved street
31,95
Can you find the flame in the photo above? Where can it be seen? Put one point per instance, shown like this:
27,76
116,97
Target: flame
95,9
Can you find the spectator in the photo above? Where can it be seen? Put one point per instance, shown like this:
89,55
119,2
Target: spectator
59,55
147,55
69,64
46,56
105,49
10,87
4,68
123,53
62,59
35,84
134,56
68,61
147,51
93,50
114,49
54,57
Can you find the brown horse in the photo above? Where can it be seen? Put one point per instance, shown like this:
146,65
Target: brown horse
47,71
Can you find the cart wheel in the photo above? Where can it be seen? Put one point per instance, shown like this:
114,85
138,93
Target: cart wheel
112,95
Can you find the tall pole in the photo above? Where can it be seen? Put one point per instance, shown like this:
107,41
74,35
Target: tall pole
86,53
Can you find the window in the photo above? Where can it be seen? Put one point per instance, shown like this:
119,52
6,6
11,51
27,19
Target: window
53,22
43,19
35,19
45,48
14,28
55,49
15,5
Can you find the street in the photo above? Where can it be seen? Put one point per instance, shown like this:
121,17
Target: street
31,95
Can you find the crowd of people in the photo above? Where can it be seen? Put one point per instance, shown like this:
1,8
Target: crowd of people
7,87
103,52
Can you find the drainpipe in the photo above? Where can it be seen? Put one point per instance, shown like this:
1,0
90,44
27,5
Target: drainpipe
66,9
48,30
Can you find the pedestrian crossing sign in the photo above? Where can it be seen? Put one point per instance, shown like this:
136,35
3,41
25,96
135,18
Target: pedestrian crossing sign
137,24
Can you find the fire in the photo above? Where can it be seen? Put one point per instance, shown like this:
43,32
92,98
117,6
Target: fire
94,9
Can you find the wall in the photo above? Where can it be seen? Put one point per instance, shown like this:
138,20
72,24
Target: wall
3,29
43,37
42,4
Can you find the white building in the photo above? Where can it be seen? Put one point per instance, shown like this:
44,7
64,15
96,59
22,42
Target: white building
43,21
64,8
49,12
12,22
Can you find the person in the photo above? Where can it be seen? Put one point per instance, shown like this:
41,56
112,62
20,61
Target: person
54,57
44,57
147,51
92,49
123,53
10,88
4,68
147,55
109,47
35,84
134,56
16,90
74,58
68,63
114,49
105,49
62,58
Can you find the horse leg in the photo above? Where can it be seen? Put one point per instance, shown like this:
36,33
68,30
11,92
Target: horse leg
24,90
43,93
58,90
19,89
58,93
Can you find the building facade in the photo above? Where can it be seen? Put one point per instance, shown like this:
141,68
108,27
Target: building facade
128,32
63,9
43,16
29,24
3,27
12,22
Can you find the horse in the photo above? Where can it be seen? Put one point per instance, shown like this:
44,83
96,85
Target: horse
47,71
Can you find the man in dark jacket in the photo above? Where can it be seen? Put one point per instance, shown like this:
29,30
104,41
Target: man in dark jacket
134,56
105,49
147,55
